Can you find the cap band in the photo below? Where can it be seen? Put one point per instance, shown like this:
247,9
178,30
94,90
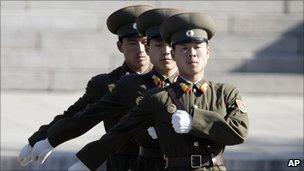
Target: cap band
153,32
196,35
128,30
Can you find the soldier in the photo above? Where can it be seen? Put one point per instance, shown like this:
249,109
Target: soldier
194,118
131,44
126,94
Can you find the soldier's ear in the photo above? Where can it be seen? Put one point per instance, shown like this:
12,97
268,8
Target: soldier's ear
208,51
172,53
147,49
119,46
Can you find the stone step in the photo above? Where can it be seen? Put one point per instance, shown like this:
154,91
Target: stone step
266,24
72,40
256,43
238,7
64,39
261,83
223,61
36,17
49,20
92,59
61,58
76,79
47,79
263,62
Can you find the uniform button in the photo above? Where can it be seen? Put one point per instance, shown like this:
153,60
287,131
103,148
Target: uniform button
195,106
167,84
194,90
127,73
196,144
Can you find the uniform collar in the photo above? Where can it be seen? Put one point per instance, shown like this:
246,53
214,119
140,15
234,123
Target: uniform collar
187,86
159,79
190,82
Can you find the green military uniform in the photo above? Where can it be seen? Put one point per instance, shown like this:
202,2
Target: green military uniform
126,94
101,84
218,111
96,88
123,97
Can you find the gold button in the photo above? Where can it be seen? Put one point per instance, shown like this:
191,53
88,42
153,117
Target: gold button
196,144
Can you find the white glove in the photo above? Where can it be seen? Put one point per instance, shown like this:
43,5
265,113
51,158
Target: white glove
152,133
25,155
41,151
78,166
181,121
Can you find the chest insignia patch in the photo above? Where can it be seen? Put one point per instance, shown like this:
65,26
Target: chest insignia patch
110,87
241,105
138,99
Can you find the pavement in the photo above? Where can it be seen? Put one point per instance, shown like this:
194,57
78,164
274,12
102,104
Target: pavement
275,132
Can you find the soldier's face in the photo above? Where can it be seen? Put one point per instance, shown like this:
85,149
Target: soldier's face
134,52
160,55
191,58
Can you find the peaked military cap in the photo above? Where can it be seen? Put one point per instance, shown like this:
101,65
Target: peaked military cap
122,21
148,23
186,27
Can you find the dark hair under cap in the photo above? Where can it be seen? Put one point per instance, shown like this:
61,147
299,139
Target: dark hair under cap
148,23
122,21
185,27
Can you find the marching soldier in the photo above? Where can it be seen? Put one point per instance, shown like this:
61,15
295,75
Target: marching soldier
194,118
126,94
131,43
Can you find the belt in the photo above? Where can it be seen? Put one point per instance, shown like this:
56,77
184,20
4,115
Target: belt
194,161
150,152
128,150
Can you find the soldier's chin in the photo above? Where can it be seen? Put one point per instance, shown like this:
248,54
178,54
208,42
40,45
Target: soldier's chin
168,65
142,61
195,69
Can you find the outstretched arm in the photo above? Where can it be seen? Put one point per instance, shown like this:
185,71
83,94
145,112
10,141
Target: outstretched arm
132,124
111,105
94,90
91,95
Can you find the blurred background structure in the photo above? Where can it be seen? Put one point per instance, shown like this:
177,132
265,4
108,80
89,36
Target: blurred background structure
50,49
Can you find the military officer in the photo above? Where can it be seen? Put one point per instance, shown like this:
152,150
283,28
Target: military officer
194,118
131,43
126,94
